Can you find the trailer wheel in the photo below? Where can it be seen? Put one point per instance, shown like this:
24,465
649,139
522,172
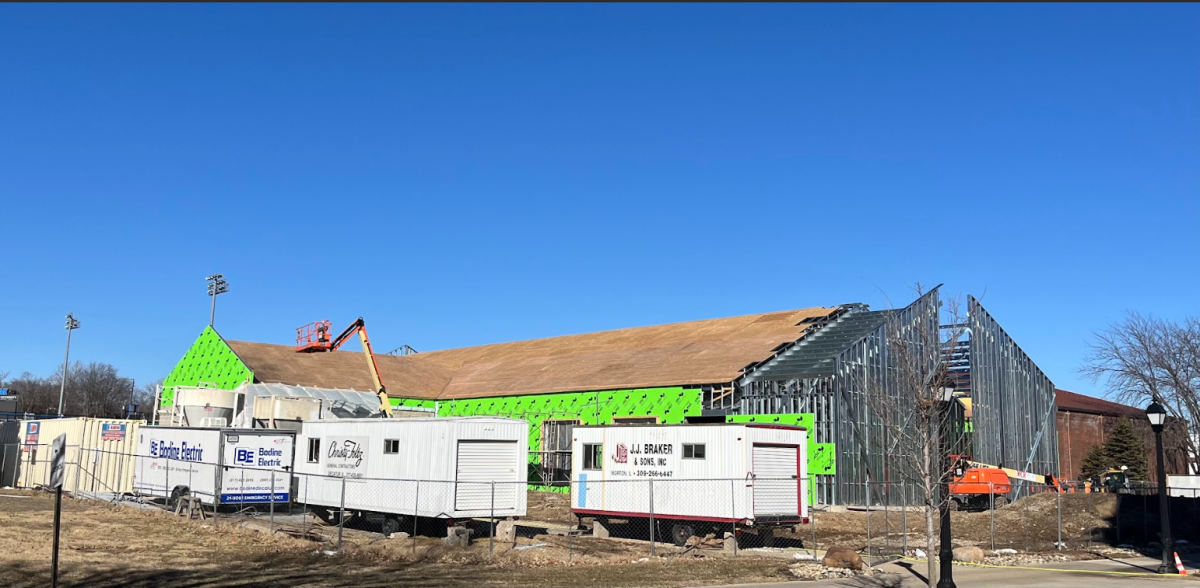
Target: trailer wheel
177,493
680,533
390,526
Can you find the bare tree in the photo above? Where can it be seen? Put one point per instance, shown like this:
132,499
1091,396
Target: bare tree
35,394
144,398
1142,358
906,394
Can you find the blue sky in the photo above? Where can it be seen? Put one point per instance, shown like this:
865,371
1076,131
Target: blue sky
471,174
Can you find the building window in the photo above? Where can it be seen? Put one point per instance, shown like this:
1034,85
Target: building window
693,451
314,450
635,420
593,456
391,446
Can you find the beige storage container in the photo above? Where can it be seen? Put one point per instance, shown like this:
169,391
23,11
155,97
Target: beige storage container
100,453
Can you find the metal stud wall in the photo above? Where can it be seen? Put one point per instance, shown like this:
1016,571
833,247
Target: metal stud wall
1014,403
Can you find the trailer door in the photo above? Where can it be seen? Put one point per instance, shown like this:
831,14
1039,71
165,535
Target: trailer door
776,484
480,463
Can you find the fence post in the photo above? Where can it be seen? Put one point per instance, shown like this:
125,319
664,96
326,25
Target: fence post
167,485
416,515
733,515
1118,517
887,520
868,517
1145,515
78,473
992,512
1025,520
1060,543
903,517
271,497
492,521
95,469
4,464
305,503
119,489
342,515
571,529
653,535
812,520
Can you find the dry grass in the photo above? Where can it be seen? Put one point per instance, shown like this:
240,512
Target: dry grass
108,546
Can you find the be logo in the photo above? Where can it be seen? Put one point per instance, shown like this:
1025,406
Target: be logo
244,456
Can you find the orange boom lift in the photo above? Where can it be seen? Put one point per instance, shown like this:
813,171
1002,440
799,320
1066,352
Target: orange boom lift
314,338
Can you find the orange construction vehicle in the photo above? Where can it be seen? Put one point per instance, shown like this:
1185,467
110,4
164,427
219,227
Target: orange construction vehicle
314,337
976,486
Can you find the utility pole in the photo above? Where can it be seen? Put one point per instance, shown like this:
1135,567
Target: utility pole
216,285
132,390
72,324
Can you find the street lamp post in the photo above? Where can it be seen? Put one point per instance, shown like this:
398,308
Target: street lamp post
1158,417
946,431
216,285
72,324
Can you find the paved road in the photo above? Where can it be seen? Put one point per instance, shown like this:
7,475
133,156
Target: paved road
906,575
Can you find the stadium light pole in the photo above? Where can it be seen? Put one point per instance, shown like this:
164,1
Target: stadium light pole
72,324
216,285
1158,417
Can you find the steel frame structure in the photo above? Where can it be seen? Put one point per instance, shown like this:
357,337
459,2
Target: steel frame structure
1014,405
823,373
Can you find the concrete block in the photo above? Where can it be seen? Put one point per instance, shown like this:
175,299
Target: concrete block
599,530
730,545
457,536
506,531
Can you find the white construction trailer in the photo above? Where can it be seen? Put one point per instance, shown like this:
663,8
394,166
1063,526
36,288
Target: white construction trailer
690,479
217,466
400,469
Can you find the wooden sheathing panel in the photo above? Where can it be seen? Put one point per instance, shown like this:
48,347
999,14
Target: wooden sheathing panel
697,352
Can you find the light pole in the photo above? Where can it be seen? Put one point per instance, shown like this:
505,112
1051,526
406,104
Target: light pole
946,430
1158,417
72,324
216,285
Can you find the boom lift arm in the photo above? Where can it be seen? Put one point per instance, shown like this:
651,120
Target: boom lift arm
315,337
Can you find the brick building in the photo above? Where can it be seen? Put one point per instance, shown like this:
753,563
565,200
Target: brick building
1084,422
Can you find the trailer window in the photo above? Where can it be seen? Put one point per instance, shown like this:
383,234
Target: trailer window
593,456
391,446
635,420
693,451
314,450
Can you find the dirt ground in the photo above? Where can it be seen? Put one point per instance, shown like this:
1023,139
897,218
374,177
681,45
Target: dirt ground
1029,524
104,546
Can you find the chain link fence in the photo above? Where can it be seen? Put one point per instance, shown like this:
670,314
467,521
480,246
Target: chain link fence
640,517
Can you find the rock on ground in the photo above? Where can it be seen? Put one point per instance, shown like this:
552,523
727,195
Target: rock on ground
816,571
968,553
842,557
